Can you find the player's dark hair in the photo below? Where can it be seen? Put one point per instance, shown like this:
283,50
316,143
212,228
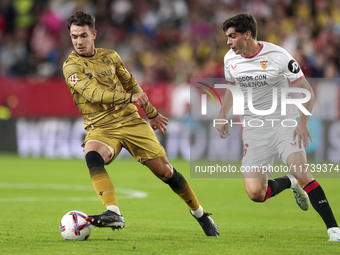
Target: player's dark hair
242,23
81,18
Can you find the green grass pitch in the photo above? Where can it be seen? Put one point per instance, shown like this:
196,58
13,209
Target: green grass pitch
36,193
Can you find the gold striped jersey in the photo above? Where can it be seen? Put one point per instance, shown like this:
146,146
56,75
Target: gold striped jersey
102,87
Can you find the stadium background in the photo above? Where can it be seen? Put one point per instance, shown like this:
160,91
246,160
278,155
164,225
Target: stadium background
163,44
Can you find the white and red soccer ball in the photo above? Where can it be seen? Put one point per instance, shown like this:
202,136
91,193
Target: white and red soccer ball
74,227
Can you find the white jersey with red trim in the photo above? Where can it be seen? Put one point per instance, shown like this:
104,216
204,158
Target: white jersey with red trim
268,68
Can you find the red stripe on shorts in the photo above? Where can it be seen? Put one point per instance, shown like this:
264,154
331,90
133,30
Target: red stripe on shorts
311,186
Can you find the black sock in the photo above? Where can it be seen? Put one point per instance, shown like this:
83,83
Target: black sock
275,186
177,181
319,201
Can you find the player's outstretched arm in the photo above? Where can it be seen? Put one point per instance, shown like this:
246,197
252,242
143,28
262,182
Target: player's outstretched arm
301,131
159,122
131,86
226,105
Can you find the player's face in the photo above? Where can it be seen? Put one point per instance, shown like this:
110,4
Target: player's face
83,39
237,41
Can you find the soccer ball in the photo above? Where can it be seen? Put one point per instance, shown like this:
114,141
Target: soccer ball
74,227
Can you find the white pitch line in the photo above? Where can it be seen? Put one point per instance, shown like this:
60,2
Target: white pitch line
121,193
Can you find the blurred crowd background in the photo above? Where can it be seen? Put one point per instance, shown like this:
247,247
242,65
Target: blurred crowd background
163,43
166,41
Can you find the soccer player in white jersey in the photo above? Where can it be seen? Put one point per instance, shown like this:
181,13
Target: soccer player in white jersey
263,66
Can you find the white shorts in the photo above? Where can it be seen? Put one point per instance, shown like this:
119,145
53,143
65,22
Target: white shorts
261,146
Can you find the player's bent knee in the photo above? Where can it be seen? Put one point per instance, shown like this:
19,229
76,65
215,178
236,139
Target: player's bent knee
168,172
167,175
105,151
161,168
256,196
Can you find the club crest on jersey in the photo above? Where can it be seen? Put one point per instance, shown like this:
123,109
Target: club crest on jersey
73,78
105,60
264,64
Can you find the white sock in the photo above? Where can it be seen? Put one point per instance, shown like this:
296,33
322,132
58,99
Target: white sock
113,208
198,213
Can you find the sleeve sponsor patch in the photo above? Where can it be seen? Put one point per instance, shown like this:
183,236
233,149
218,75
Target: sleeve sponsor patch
73,78
293,66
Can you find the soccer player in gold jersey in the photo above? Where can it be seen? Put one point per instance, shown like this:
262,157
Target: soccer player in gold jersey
104,90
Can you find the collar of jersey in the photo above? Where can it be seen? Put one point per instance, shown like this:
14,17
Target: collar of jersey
256,53
86,56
